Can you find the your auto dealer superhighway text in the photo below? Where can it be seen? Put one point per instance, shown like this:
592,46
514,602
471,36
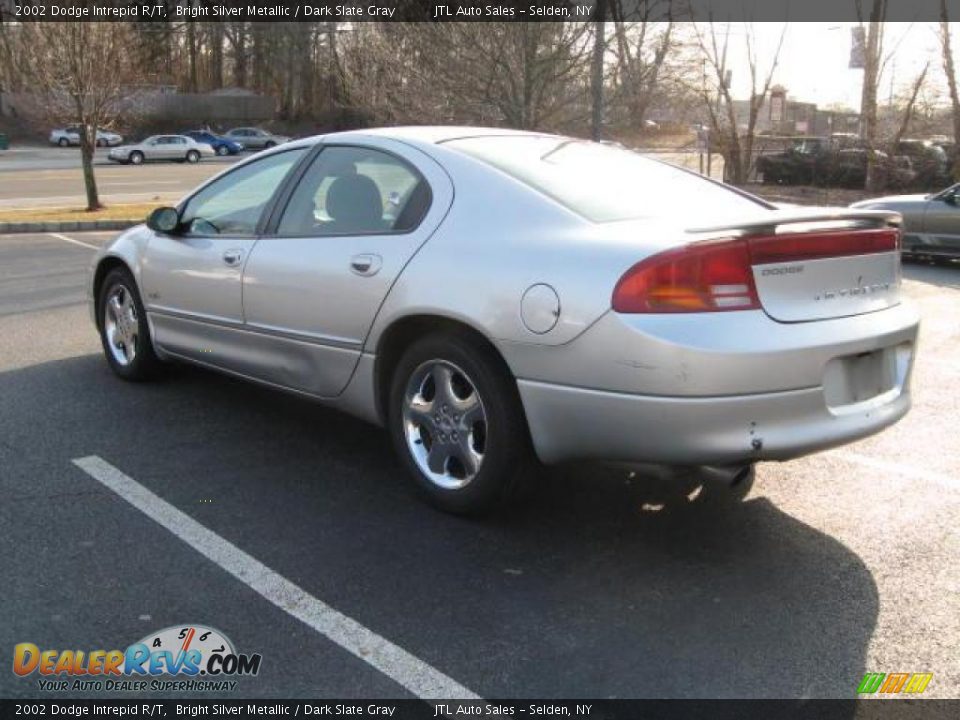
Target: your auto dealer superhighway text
279,11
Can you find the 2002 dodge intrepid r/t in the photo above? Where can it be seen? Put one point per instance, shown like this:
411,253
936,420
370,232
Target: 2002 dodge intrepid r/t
494,296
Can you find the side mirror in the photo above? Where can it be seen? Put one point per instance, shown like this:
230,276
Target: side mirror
164,220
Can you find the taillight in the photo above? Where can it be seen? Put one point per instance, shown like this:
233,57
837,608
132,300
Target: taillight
700,277
793,247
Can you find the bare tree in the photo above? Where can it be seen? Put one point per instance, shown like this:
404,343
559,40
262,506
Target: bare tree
523,75
78,72
873,62
910,103
644,37
597,69
734,136
949,69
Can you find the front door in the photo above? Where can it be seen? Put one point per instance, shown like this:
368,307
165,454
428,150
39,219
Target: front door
941,224
192,279
315,284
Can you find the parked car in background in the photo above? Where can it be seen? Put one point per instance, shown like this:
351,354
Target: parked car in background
221,145
931,223
930,162
837,161
256,138
491,296
70,135
178,148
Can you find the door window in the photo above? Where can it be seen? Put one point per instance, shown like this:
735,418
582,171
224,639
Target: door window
233,204
356,191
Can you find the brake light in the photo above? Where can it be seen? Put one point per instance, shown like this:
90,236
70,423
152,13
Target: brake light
700,277
793,247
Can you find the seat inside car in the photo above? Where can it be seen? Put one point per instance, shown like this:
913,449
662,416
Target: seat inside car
354,204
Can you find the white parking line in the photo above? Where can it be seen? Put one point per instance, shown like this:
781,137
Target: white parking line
58,236
421,679
907,471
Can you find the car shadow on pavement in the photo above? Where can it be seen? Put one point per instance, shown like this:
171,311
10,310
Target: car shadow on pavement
583,592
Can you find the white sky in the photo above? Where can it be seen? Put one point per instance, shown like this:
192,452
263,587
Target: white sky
813,62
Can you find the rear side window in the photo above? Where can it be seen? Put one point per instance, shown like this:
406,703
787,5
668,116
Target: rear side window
604,183
356,191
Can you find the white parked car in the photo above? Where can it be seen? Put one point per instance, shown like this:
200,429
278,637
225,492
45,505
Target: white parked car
256,138
178,148
70,135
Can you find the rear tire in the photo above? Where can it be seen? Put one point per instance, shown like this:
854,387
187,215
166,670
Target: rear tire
457,423
124,331
63,142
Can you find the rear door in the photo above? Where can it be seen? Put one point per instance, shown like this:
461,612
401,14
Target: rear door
315,283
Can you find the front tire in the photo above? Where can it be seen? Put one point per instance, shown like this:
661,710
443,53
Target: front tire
136,157
63,142
457,424
222,150
193,156
124,331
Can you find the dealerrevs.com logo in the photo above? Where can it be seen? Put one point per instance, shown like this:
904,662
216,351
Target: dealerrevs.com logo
201,658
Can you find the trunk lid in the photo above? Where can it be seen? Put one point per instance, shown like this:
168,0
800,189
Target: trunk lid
818,264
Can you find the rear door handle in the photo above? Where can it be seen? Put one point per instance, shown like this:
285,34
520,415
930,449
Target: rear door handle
233,256
366,264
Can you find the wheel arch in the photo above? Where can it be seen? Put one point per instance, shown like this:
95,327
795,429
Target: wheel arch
104,267
403,332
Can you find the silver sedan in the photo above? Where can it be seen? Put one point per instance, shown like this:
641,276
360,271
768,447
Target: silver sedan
495,298
931,223
177,148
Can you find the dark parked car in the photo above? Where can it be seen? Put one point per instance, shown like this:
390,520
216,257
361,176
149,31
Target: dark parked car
220,144
834,162
930,161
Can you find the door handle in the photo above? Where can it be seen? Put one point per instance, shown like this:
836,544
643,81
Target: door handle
366,264
233,256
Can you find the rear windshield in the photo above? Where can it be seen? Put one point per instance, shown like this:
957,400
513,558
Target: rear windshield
604,183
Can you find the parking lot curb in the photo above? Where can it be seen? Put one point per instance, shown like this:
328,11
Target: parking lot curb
72,226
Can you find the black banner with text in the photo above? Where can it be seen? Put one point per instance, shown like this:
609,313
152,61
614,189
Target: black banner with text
458,10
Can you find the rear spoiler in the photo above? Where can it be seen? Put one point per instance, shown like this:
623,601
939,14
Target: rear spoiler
777,218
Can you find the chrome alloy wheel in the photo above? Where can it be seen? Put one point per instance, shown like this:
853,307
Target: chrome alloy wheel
120,325
445,424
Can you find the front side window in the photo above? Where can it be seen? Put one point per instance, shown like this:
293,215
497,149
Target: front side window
356,191
233,204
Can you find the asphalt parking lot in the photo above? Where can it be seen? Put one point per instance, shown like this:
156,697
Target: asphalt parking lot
833,566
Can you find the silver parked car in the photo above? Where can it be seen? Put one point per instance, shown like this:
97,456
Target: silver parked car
255,138
493,296
70,135
931,223
178,148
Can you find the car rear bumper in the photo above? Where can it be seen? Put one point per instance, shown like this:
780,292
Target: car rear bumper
573,423
846,386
